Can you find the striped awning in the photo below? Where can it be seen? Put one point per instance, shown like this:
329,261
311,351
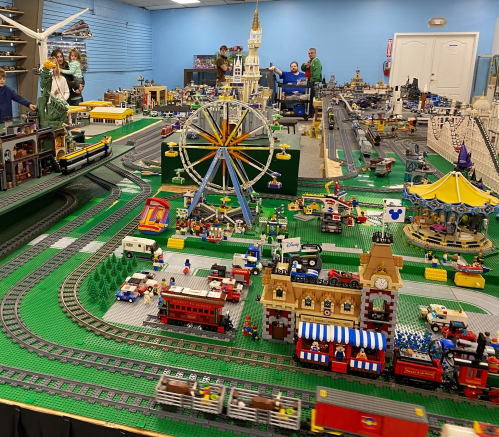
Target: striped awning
365,365
367,339
314,331
320,358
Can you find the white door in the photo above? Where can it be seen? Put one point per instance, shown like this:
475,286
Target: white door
412,55
453,65
444,62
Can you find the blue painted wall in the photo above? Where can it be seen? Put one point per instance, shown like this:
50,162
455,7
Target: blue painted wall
121,49
347,33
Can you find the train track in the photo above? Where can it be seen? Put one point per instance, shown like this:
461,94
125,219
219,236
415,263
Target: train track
35,189
70,202
26,256
146,404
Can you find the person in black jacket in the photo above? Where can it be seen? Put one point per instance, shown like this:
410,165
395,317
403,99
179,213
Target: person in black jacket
75,88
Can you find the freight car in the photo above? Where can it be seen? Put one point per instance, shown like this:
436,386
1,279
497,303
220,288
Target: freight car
478,430
82,157
182,306
355,414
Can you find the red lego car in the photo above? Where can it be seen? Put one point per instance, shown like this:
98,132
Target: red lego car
343,279
458,330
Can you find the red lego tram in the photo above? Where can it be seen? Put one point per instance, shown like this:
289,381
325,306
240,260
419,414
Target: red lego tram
182,305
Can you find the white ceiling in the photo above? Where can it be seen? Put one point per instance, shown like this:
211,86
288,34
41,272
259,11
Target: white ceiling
154,5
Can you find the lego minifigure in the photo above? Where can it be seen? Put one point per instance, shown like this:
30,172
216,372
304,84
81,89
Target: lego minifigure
494,343
315,346
147,297
434,261
172,282
444,258
155,290
187,267
361,354
155,264
254,333
246,329
263,237
339,354
163,284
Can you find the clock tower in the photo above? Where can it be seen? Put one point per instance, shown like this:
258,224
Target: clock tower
380,278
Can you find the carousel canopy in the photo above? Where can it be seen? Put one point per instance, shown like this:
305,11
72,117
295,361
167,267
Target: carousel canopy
452,193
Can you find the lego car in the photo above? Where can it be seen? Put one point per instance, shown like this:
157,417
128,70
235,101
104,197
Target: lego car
458,330
299,273
343,279
127,293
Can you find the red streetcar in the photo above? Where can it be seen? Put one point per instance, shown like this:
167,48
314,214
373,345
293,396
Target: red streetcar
182,305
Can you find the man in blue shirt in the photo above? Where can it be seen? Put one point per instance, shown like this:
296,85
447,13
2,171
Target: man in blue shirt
7,95
290,77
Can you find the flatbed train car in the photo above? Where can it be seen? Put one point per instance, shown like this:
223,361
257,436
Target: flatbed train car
80,158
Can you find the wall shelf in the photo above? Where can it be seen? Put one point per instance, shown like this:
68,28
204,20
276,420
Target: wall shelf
6,41
13,57
16,71
8,25
9,11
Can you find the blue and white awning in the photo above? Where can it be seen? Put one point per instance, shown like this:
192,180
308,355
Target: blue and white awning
365,365
367,339
314,331
320,358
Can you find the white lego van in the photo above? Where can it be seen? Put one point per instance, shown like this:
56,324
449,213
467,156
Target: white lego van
140,247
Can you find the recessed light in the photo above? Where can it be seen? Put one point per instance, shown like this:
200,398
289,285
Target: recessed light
185,2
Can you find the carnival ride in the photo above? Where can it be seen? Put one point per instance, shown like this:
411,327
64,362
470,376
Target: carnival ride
443,208
155,216
239,147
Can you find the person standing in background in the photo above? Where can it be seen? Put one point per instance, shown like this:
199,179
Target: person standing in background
222,65
313,70
75,88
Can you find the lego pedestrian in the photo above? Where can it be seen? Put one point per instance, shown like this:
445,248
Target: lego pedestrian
254,333
434,261
455,257
246,329
156,264
147,297
155,290
187,267
444,258
163,284
172,282
494,343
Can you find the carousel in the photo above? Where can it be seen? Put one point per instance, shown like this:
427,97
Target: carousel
452,215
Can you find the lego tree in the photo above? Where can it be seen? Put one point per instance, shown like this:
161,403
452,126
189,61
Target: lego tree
53,111
97,276
93,291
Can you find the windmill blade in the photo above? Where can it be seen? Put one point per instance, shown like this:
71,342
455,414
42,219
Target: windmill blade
57,26
22,28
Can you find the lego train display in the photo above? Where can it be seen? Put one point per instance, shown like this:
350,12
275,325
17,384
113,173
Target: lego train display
347,350
334,411
80,158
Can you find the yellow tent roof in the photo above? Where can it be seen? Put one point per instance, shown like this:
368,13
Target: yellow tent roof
454,188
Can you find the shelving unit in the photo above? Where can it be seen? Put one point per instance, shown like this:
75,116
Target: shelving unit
284,100
9,11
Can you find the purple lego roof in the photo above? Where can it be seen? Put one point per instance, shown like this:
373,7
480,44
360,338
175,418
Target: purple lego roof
464,158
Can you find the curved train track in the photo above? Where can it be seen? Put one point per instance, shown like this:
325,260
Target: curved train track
70,202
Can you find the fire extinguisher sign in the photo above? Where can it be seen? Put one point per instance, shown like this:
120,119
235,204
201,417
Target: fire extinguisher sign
389,48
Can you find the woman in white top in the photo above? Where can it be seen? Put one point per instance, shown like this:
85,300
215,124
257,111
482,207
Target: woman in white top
60,87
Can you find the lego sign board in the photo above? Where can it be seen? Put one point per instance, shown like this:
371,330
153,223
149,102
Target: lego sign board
291,245
389,48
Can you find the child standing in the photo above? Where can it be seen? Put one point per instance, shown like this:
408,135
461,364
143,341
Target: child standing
74,66
7,95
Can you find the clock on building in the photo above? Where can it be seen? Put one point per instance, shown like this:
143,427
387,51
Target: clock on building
381,283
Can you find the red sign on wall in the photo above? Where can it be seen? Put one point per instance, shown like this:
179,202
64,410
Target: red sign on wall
389,48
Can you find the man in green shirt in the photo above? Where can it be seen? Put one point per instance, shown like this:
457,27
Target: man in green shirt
313,70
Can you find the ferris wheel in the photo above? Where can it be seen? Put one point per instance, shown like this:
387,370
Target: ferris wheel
239,145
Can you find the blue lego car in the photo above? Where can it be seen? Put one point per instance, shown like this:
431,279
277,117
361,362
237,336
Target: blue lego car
300,274
127,293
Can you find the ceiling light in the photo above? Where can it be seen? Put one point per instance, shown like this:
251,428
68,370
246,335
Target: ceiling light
185,2
436,22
